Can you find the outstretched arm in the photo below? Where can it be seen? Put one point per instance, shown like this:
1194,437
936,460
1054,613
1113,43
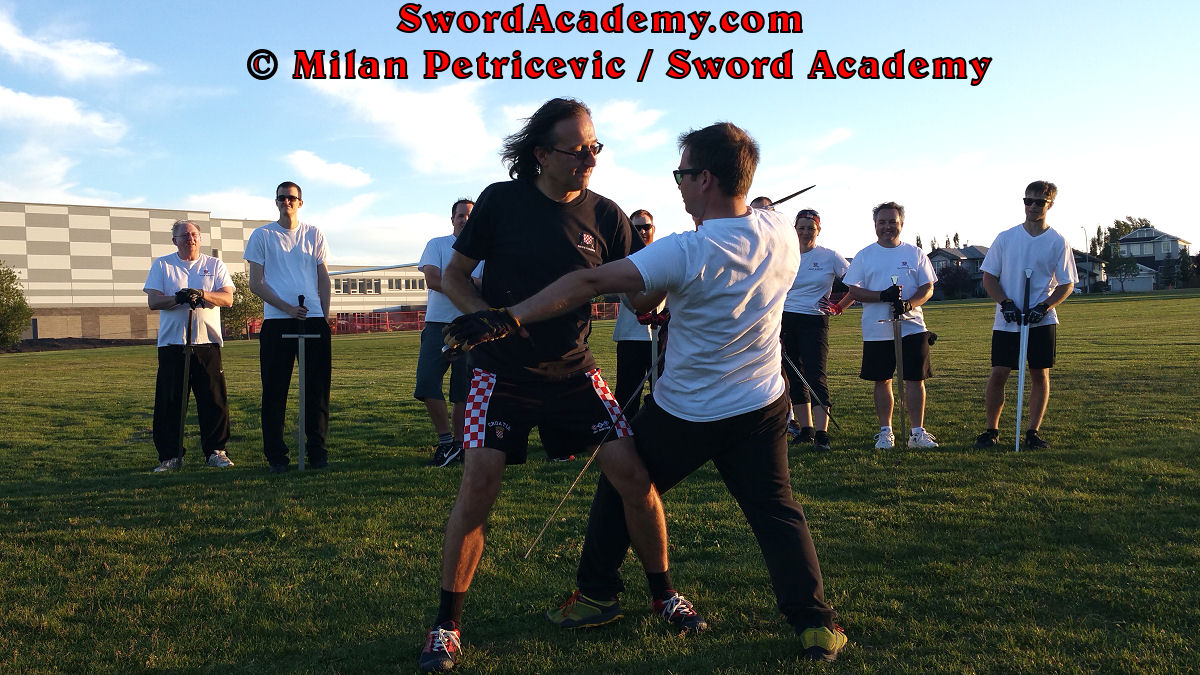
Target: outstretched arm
572,290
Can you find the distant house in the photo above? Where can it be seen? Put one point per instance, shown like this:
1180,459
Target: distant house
1092,273
1150,247
968,257
1144,281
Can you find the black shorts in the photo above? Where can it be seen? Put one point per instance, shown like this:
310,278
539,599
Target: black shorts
879,358
576,412
1006,347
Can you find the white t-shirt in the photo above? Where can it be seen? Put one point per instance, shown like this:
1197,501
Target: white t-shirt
873,268
627,326
726,284
814,279
290,259
1048,255
439,307
171,273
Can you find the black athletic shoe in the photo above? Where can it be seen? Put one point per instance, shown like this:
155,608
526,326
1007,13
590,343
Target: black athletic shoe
679,612
445,454
987,439
319,464
800,434
1035,442
442,650
278,468
821,440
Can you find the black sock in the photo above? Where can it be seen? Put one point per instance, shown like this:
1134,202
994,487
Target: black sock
661,587
450,608
445,438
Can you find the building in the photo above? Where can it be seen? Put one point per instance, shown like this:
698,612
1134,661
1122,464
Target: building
84,267
1150,246
969,258
1092,273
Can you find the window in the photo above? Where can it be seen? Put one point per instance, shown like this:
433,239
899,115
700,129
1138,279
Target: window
1166,247
407,284
362,286
378,283
422,283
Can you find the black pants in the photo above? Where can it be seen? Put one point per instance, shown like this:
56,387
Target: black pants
633,362
750,452
207,382
806,342
277,355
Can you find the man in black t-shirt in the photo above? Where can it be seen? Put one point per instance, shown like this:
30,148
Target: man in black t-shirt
531,231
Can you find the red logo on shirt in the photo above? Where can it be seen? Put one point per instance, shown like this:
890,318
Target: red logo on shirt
586,239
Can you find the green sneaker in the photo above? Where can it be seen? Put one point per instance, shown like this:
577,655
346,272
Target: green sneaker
580,611
822,644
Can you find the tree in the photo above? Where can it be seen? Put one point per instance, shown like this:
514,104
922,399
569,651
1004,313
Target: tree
955,282
1097,243
956,240
1168,273
947,242
246,307
1186,270
918,241
1119,229
14,311
1123,267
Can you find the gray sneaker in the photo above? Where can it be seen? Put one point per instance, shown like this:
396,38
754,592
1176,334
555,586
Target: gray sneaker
173,464
219,460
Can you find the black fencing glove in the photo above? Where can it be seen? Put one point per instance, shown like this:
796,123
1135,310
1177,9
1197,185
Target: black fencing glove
653,318
1037,313
189,296
476,328
1008,309
890,294
901,307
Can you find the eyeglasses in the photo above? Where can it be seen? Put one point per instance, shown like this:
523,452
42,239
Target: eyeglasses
1029,201
583,153
189,235
680,173
643,228
287,198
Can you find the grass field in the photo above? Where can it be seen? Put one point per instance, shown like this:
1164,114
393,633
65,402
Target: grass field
1081,558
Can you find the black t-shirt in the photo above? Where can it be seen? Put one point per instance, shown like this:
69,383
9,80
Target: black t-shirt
528,240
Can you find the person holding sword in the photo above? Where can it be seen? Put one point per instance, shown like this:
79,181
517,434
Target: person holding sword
892,279
1034,246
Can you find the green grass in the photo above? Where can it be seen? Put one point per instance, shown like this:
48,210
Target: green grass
1080,558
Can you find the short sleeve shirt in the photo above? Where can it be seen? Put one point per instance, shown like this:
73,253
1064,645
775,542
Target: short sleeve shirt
1049,258
818,268
437,253
171,273
873,269
527,241
290,259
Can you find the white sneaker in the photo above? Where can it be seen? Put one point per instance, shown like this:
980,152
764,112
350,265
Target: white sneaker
173,464
219,460
922,439
885,440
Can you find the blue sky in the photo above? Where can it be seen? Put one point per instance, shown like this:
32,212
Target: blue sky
149,104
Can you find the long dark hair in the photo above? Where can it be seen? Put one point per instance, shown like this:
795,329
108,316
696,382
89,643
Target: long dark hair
518,148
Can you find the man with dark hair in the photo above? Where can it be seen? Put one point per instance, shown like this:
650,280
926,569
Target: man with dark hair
531,231
431,362
762,203
287,260
1033,245
632,333
892,280
189,286
721,397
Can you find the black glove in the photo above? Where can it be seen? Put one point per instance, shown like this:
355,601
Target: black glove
901,307
476,328
890,294
189,296
1038,313
1008,309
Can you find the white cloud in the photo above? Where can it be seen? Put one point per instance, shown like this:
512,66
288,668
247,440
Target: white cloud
72,58
831,139
56,116
314,168
235,203
442,130
623,121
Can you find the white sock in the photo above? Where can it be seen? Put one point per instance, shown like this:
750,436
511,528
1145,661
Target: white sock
885,430
917,430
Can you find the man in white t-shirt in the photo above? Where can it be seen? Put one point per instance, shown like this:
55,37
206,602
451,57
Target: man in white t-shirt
431,362
287,262
870,281
721,397
1035,246
632,333
189,286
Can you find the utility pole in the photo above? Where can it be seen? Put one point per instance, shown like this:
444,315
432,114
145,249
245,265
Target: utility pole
1088,256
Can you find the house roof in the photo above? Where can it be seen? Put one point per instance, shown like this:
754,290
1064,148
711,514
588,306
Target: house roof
1144,234
964,253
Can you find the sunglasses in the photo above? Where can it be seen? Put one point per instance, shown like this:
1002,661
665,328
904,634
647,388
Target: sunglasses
680,173
1029,201
287,198
643,228
583,153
